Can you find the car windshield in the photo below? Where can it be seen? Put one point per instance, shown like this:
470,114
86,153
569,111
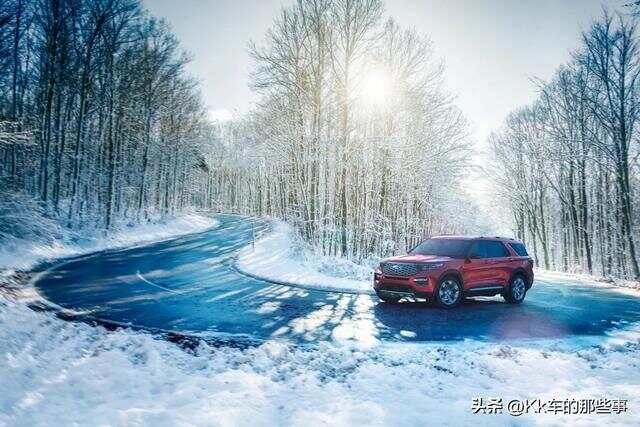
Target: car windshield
451,248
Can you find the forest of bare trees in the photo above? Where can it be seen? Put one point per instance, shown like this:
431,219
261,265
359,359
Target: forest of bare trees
354,141
99,121
567,165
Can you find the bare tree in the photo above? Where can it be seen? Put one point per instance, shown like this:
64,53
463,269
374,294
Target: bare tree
581,138
611,55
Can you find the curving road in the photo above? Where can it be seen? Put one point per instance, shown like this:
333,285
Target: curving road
188,285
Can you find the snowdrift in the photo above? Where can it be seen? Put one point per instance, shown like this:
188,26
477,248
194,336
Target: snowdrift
22,253
275,258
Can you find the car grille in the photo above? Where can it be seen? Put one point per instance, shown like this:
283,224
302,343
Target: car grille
400,269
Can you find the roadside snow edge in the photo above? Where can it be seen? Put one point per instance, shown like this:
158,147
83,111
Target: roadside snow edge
272,259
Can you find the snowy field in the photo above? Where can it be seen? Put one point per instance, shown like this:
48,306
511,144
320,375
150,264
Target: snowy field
74,373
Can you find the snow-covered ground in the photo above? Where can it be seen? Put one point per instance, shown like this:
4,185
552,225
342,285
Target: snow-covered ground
279,257
626,286
72,373
24,253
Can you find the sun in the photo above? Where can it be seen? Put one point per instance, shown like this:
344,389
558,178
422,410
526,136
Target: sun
377,88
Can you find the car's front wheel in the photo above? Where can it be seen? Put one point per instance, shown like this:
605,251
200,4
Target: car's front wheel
449,293
516,291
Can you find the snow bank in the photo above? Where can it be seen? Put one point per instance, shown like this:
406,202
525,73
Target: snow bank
277,258
619,285
23,253
70,373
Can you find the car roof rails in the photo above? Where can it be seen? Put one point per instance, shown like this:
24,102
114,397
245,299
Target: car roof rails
495,237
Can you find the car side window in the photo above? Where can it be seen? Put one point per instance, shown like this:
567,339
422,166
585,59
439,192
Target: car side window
478,250
496,249
519,248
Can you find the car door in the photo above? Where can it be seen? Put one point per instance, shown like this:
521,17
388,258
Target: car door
497,265
475,271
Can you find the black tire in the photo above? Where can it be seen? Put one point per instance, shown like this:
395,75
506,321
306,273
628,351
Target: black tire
392,299
449,293
517,290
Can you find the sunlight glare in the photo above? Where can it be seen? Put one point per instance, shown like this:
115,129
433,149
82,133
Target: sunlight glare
377,88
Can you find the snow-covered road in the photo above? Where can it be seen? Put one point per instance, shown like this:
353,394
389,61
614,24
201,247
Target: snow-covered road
189,285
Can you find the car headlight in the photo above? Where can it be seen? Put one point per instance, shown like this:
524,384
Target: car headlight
430,266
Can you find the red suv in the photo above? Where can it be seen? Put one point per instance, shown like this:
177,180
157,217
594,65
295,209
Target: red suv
449,268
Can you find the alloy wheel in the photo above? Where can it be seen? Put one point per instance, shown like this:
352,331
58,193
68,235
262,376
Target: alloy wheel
518,288
449,292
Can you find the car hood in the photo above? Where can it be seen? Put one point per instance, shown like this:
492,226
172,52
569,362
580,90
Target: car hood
417,258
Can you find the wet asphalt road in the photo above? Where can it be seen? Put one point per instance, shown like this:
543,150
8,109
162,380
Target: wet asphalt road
188,285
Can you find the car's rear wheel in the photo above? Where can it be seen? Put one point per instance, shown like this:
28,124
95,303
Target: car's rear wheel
516,291
388,298
449,293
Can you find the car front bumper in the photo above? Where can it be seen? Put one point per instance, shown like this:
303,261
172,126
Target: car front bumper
417,287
